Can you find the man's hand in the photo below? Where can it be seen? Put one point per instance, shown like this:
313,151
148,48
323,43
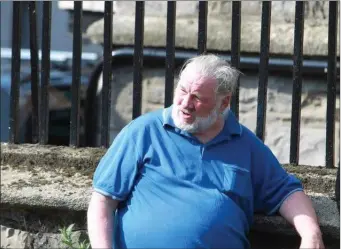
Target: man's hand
315,242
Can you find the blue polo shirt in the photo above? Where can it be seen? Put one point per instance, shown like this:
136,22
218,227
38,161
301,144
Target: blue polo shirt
176,192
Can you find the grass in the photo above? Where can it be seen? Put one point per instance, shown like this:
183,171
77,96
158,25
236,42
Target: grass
66,239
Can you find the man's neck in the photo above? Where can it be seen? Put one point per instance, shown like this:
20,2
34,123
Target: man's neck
211,132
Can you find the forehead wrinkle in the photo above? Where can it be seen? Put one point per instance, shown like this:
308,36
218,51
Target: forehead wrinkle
187,77
198,83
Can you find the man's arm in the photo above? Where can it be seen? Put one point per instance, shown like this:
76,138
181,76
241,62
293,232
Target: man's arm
100,220
298,210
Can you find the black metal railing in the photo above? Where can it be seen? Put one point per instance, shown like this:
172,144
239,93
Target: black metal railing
15,76
263,70
202,27
331,94
235,50
45,74
138,58
170,52
107,72
297,84
76,74
40,98
34,70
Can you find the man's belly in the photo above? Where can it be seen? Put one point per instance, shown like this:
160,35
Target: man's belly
163,214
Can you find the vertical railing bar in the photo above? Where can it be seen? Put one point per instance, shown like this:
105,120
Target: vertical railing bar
107,73
34,57
202,27
170,53
235,50
297,84
76,73
15,73
45,74
138,59
331,92
263,70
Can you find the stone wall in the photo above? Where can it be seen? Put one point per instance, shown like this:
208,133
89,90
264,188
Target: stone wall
314,99
219,26
315,11
313,121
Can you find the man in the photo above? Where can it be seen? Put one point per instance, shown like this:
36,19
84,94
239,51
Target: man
191,176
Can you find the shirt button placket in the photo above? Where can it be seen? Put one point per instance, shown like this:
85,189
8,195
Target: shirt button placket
202,150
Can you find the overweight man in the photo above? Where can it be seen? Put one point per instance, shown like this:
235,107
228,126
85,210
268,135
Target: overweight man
191,176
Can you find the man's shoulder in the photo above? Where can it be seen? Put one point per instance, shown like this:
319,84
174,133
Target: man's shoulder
147,120
258,148
251,138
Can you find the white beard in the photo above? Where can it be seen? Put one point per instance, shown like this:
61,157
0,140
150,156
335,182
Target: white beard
199,124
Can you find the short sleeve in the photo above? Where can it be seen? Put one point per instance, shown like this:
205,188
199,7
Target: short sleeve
115,174
272,184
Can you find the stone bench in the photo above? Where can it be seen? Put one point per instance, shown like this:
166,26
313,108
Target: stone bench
52,185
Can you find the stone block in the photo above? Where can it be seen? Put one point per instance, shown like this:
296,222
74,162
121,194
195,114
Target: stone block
14,238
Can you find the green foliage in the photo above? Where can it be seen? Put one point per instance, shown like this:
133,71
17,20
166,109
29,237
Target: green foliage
66,234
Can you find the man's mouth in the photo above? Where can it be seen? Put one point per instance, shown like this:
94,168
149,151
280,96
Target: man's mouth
186,113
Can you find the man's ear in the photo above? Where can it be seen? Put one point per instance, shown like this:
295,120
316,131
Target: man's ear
225,102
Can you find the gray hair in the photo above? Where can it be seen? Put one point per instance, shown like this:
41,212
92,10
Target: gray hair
213,66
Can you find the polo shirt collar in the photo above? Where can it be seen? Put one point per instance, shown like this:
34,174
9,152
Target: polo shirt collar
231,126
167,117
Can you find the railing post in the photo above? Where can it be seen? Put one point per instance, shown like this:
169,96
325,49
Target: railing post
263,70
202,27
138,58
45,75
170,53
15,73
297,84
331,92
235,50
34,56
107,73
76,73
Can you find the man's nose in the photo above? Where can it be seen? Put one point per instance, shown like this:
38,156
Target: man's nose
187,102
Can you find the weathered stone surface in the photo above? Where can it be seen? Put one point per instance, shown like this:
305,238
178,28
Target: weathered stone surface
50,240
63,160
219,27
13,238
326,210
43,188
315,11
59,185
40,188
